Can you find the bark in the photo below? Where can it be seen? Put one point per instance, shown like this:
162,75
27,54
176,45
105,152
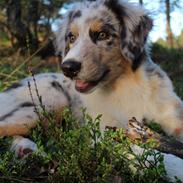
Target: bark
166,144
168,25
33,17
141,2
18,28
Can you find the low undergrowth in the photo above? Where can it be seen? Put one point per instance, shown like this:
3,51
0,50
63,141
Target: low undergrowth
68,152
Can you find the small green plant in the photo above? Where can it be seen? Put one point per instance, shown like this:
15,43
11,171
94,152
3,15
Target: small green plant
155,127
68,152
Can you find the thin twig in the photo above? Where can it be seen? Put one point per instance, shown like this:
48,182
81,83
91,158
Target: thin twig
15,179
32,98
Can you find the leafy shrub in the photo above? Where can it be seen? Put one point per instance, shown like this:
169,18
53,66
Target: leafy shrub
171,60
68,152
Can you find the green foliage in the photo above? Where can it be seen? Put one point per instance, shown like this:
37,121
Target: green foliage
155,127
171,60
68,152
4,38
177,41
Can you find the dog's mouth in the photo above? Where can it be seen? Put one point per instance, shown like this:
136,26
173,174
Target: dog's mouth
86,86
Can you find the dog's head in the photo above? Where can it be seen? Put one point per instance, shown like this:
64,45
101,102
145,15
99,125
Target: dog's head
99,39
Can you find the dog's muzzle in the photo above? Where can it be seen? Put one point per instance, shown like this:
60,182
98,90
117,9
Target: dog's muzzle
86,86
71,68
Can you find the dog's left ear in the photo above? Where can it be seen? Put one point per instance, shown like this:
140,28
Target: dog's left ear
135,26
133,41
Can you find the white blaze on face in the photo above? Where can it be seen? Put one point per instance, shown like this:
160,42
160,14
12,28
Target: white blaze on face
75,51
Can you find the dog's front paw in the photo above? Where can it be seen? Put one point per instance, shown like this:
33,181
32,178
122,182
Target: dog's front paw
23,146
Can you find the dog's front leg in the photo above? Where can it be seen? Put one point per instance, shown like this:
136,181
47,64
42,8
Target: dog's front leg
171,117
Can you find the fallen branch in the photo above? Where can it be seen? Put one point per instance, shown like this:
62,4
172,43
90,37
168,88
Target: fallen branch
166,144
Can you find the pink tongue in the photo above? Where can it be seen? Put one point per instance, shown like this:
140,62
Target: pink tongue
81,84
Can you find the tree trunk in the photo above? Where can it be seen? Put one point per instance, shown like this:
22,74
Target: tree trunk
168,25
18,29
33,17
141,2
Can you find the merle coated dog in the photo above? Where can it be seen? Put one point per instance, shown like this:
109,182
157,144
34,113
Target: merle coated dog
106,68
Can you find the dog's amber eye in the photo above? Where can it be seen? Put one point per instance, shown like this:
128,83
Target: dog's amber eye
72,37
102,36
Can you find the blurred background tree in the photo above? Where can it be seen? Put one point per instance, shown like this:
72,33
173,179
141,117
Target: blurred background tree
141,2
27,25
168,24
169,7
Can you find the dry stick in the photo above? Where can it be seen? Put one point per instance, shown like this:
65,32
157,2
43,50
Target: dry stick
41,105
167,144
20,72
7,83
5,75
15,179
32,98
26,61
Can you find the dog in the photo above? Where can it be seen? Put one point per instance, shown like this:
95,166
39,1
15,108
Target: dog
105,53
107,69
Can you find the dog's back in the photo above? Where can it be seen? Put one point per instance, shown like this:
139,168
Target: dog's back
18,103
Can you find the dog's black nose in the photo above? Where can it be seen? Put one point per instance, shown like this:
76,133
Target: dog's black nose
71,68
